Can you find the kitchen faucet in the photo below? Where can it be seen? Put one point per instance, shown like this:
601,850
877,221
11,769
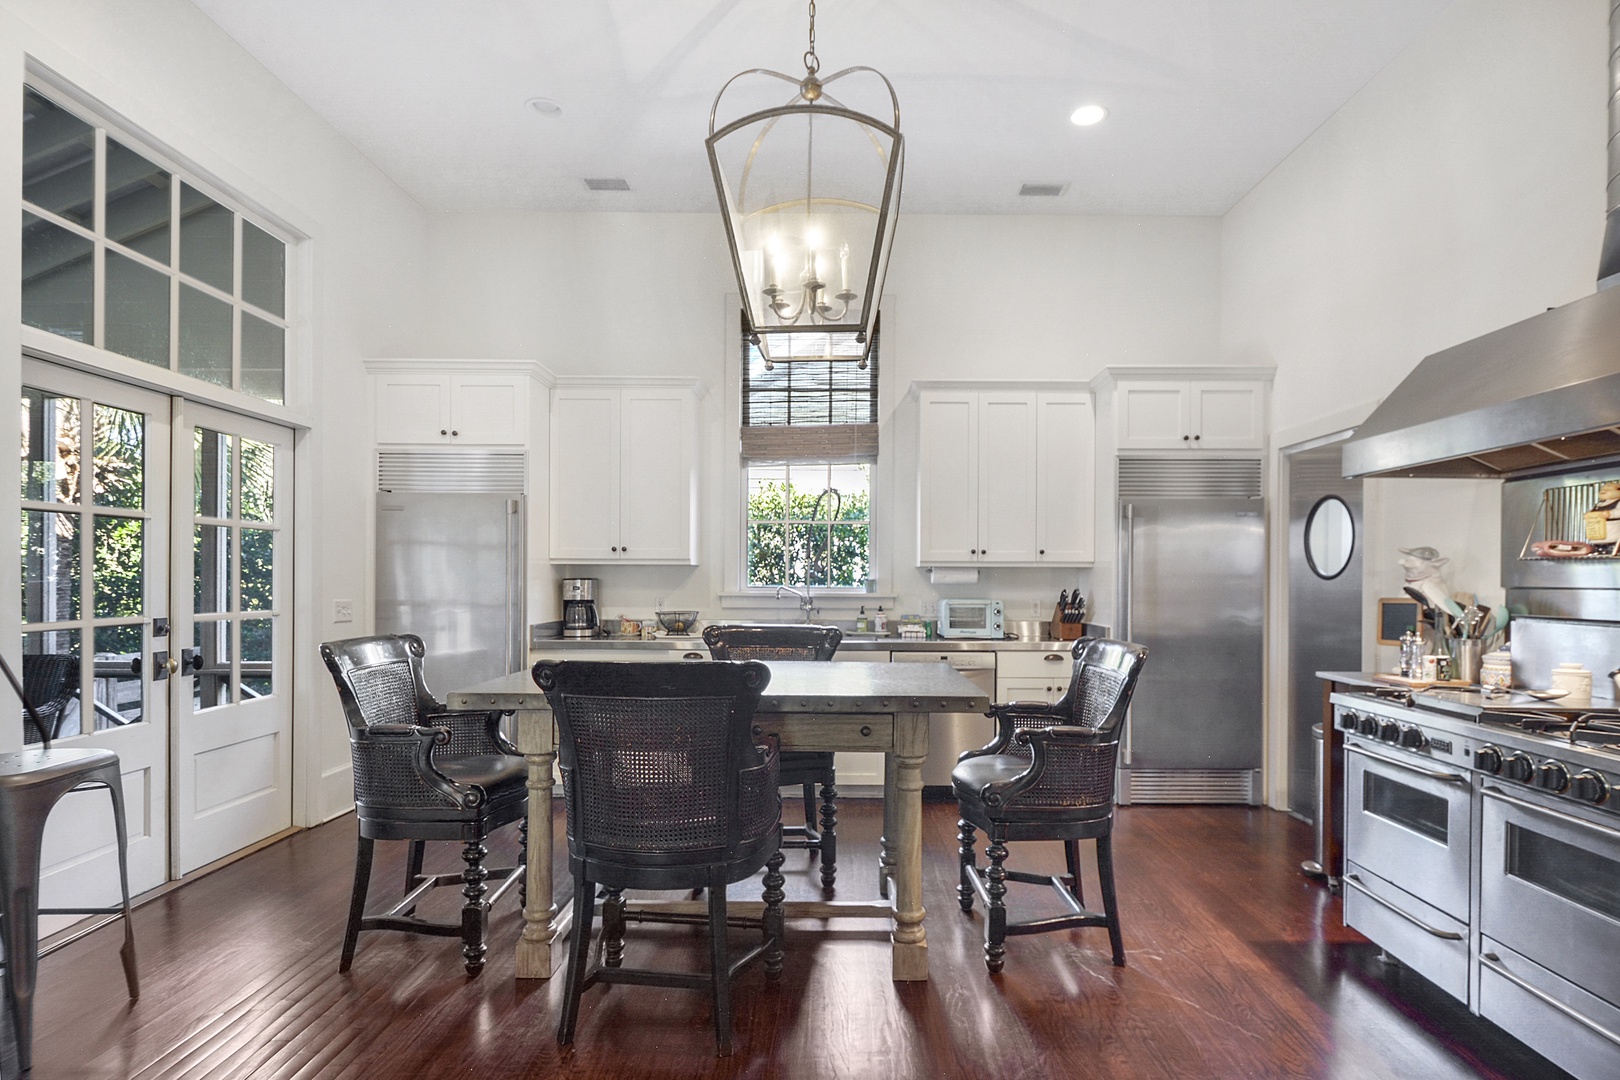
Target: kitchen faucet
805,602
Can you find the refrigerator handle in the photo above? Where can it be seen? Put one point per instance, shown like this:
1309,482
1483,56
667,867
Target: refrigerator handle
1127,559
514,563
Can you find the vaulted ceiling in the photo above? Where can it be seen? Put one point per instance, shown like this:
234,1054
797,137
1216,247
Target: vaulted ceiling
1204,96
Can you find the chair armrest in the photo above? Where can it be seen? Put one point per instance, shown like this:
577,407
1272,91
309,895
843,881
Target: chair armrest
1006,714
1038,740
472,732
759,794
1062,733
383,753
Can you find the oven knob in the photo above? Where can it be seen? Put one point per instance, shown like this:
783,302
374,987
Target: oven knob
1389,731
1518,767
1589,787
1413,738
1551,776
1488,759
1367,725
1347,720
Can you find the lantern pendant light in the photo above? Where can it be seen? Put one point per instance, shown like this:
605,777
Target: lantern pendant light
810,190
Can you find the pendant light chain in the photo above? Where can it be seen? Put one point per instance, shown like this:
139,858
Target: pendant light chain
812,63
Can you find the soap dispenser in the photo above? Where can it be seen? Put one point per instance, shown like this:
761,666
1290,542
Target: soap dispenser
860,621
880,622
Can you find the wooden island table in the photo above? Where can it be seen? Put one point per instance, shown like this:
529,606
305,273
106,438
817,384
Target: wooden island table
808,706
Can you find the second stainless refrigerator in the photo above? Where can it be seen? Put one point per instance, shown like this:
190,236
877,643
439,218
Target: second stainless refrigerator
1192,550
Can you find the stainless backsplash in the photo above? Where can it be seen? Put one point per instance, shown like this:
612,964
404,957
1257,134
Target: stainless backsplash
1539,645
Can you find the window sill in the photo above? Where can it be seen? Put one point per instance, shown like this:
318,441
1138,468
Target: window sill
839,599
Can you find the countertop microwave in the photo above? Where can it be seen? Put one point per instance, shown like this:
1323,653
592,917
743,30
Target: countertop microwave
971,619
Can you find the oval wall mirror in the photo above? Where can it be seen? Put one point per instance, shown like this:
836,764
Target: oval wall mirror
1330,536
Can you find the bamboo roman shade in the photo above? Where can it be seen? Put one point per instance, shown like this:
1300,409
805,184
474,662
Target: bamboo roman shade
810,410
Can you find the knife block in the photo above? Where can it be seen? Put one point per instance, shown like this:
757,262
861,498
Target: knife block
1062,631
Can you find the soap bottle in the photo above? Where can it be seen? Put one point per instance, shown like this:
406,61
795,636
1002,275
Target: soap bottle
860,621
880,624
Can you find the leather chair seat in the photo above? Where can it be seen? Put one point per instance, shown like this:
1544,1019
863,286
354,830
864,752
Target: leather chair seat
488,771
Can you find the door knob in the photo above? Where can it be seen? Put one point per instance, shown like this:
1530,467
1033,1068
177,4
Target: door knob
172,666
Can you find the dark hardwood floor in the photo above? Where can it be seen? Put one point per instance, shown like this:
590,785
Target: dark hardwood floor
1238,967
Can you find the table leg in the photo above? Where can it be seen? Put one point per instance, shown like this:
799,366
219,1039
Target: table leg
886,841
910,940
541,924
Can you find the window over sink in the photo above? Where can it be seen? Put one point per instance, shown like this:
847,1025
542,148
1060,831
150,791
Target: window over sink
809,438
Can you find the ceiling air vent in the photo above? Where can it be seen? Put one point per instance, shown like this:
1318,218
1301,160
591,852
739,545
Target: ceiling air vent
607,183
1047,191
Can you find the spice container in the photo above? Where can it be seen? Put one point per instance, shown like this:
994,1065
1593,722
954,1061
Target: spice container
1496,669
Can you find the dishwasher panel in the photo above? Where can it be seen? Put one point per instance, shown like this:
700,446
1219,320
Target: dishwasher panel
951,734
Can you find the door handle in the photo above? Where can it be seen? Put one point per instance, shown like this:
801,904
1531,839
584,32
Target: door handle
191,661
163,665
1447,935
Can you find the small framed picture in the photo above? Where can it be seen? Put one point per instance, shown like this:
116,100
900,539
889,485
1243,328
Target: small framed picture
1396,615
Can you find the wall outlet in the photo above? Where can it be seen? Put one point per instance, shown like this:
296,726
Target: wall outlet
342,611
1034,607
658,604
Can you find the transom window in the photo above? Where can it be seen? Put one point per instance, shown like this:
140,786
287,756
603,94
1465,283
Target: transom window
119,253
809,438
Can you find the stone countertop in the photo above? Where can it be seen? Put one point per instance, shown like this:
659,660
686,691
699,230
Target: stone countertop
851,644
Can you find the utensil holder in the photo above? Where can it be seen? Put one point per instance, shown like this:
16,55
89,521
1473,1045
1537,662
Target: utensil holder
1466,655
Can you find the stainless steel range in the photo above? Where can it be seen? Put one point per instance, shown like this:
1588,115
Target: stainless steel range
1482,849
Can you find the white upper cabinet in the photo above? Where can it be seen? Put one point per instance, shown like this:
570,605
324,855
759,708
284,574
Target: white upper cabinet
624,472
1004,476
1190,415
423,403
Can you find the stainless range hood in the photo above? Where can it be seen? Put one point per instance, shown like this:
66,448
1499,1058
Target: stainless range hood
1540,392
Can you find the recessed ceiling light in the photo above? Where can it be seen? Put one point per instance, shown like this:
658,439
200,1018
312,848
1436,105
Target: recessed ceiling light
1086,115
607,183
1045,191
544,106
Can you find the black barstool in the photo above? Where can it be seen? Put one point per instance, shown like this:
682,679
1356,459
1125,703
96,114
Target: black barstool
31,784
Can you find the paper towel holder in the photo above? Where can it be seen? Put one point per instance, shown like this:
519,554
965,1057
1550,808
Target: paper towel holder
953,575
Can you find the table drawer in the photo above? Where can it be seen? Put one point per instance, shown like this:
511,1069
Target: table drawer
823,731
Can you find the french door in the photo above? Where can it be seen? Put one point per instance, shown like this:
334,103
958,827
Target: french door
156,558
232,709
95,580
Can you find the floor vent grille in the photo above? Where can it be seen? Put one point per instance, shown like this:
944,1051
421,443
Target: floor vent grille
1191,786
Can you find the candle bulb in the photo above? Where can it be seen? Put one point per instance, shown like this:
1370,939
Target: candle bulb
843,268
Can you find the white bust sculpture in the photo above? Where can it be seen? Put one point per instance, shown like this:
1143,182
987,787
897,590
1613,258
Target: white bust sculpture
1423,567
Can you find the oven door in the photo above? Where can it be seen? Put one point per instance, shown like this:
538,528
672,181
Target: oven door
1550,889
1409,823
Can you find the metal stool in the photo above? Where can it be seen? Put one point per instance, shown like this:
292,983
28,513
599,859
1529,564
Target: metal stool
31,784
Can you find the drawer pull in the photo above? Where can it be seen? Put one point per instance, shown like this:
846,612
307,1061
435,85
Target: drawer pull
692,656
1448,935
1492,961
866,731
1054,656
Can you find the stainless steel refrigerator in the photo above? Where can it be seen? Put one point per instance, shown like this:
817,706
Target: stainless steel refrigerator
1192,589
450,570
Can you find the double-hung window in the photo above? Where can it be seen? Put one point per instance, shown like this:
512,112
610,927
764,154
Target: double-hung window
809,440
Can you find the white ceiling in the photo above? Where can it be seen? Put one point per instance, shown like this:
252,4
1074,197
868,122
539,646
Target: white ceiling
1205,96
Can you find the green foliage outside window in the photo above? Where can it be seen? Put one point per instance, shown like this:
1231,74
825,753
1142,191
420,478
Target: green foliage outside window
801,537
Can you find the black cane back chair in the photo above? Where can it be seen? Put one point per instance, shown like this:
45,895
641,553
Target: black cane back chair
665,789
423,772
49,681
1049,775
800,768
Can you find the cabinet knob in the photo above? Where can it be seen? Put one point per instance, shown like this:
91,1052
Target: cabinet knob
453,432
1043,551
444,431
1184,438
615,547
1197,437
866,732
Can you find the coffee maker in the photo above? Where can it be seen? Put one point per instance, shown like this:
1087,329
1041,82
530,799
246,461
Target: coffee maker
579,607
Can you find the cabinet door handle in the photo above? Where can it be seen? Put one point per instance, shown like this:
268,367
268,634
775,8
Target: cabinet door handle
454,432
1197,437
1184,438
615,547
444,431
1043,551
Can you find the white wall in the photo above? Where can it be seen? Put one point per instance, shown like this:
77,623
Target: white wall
969,297
168,70
1461,190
